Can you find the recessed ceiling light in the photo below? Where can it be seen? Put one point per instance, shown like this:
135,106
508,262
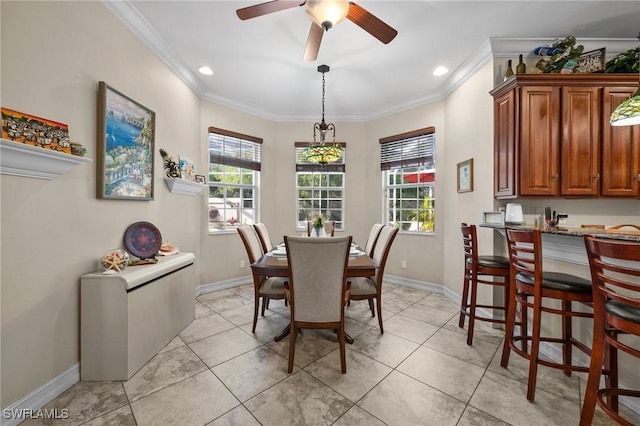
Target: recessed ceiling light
205,70
440,71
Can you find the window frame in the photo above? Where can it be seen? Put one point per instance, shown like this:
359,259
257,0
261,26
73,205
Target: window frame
410,154
304,167
244,158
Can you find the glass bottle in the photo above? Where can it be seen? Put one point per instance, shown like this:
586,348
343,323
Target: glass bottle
509,71
521,68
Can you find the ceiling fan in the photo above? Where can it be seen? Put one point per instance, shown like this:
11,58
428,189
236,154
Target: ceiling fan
325,14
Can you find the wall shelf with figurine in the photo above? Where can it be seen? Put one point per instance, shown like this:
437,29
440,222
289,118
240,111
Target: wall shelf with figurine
20,159
184,187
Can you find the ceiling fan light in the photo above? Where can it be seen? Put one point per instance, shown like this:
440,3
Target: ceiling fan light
327,13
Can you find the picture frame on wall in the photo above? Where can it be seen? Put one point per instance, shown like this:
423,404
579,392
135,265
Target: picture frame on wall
126,136
465,176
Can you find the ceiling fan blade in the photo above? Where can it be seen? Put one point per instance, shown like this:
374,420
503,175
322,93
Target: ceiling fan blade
313,43
265,8
370,23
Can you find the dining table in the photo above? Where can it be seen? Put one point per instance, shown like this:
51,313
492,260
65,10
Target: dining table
274,264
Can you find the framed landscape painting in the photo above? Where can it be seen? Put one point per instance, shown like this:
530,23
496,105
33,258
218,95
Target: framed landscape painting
126,134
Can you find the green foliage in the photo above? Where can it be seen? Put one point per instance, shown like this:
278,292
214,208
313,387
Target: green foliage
626,62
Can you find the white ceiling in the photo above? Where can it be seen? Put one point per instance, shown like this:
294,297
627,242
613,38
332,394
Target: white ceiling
258,65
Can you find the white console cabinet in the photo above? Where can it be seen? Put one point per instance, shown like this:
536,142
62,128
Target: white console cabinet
128,317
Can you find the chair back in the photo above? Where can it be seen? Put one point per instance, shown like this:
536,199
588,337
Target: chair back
317,277
263,234
615,272
251,242
329,227
373,238
525,254
381,251
470,244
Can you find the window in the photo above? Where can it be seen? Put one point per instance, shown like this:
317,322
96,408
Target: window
319,189
408,163
234,171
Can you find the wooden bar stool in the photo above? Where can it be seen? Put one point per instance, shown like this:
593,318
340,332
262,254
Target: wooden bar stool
615,272
528,281
475,269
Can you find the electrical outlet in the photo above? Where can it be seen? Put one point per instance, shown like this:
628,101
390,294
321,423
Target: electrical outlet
404,264
242,263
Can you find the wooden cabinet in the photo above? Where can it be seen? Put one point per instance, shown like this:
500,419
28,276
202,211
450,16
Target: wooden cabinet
552,137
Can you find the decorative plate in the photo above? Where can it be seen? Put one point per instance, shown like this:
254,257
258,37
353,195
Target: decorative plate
142,239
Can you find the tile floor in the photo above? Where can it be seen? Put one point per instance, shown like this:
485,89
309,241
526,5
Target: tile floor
420,372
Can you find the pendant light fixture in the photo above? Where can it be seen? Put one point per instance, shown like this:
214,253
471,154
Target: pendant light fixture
628,112
322,153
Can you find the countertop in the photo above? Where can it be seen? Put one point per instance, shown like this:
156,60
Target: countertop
613,234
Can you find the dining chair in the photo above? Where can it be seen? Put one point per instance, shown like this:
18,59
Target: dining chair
477,270
329,227
317,288
263,235
264,287
370,245
615,273
370,288
528,281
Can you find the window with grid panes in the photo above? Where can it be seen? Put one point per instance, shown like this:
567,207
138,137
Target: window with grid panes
408,163
234,172
319,188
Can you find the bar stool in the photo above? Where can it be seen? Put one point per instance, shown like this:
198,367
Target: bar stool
476,267
615,272
529,281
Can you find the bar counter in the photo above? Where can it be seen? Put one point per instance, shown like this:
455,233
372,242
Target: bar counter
613,234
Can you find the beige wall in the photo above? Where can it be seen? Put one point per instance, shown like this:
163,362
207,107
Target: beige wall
53,231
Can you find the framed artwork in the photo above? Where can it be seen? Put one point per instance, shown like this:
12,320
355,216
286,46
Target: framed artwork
126,135
591,61
200,179
465,176
35,131
187,169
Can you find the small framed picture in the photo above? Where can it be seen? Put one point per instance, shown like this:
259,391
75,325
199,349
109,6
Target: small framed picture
200,179
465,176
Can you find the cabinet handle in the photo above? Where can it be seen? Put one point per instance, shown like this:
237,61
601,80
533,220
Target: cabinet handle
638,178
557,176
597,176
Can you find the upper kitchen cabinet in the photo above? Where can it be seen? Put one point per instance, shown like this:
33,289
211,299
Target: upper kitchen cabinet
552,137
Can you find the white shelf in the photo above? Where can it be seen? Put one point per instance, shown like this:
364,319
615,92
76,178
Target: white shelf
184,187
20,159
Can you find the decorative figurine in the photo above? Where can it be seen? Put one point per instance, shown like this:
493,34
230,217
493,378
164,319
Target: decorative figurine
172,168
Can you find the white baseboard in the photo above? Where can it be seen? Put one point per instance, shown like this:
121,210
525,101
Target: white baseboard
42,395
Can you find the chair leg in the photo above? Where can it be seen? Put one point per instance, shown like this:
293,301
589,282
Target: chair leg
464,302
524,326
535,347
612,377
595,369
292,346
472,308
373,312
566,336
509,330
265,302
343,355
255,312
379,305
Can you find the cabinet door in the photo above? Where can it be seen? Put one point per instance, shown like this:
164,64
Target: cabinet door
504,146
620,149
539,133
581,114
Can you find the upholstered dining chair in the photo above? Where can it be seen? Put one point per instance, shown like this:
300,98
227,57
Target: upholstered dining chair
480,269
615,273
370,288
329,227
317,288
370,245
263,235
264,287
529,285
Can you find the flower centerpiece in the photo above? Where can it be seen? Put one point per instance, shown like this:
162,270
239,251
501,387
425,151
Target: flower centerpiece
318,223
